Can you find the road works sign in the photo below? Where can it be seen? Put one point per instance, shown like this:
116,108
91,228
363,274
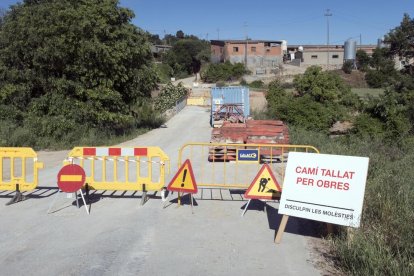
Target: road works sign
264,185
248,155
184,180
71,178
324,187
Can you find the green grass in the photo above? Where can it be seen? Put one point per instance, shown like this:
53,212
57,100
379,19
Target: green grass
383,245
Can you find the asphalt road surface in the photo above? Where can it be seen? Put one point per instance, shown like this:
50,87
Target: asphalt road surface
120,237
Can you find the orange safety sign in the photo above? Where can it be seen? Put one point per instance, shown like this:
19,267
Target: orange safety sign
264,186
184,180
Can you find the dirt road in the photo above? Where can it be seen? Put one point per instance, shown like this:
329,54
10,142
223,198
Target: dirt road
120,237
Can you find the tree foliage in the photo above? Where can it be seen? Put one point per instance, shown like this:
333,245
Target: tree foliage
318,103
362,60
324,87
223,72
187,55
401,41
69,65
348,66
169,95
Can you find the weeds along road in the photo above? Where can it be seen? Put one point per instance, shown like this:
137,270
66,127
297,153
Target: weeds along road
120,237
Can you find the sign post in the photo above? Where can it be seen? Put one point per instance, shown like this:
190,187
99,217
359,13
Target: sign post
70,179
323,187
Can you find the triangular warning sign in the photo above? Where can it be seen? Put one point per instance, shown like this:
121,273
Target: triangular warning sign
264,186
184,180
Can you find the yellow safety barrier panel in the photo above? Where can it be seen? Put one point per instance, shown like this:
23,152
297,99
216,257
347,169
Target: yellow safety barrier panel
121,169
234,166
198,101
19,171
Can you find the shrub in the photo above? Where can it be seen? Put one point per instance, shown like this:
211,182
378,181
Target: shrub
376,79
324,87
223,72
348,66
257,84
168,96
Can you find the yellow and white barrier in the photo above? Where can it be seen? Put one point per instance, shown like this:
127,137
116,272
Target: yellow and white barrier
19,171
122,169
233,166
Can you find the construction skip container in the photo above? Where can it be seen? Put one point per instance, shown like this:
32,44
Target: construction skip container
229,102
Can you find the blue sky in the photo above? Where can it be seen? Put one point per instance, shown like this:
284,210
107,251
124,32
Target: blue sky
298,22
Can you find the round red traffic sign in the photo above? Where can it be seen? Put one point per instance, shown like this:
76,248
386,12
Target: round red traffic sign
71,178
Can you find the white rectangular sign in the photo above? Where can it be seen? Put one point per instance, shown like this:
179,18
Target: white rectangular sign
324,187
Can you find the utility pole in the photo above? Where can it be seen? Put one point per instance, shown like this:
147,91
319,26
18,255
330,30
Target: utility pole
327,14
165,41
245,47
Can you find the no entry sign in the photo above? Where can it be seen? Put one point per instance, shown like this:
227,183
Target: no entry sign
71,178
324,187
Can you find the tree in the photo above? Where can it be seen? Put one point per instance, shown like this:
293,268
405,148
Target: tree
68,65
154,38
383,72
323,86
362,60
401,39
188,55
348,66
180,34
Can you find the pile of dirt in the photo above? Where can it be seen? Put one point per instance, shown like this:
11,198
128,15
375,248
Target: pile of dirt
356,79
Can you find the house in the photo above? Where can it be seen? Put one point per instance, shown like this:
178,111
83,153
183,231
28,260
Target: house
157,50
322,55
257,55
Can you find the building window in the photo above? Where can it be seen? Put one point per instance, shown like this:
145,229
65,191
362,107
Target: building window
253,49
335,56
314,56
235,49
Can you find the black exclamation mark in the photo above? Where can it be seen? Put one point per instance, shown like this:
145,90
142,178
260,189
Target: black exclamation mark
185,174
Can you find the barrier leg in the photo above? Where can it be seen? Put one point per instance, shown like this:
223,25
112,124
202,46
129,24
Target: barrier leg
144,195
53,202
18,196
191,198
77,201
166,201
84,202
245,208
86,192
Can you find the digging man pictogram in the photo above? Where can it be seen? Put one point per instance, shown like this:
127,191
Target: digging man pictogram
262,184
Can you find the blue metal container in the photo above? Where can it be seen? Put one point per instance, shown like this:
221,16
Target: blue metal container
230,95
